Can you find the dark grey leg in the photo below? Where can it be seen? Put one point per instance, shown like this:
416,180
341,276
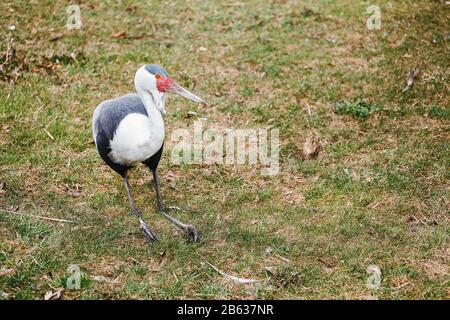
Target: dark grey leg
189,230
148,233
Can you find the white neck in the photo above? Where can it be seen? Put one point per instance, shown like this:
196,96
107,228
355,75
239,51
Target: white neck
153,113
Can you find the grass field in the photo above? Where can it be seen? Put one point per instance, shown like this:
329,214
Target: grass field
377,193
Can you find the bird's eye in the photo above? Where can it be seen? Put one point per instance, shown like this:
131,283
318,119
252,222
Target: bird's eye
158,76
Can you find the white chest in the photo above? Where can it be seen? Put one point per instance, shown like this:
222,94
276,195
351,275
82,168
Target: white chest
137,138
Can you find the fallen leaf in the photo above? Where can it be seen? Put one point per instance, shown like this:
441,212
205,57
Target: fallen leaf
369,297
284,259
2,188
49,295
436,269
373,268
162,259
191,114
311,149
104,279
411,76
328,262
133,260
55,37
131,8
6,128
120,34
283,276
7,272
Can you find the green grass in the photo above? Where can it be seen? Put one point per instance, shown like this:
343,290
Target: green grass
357,109
439,112
376,194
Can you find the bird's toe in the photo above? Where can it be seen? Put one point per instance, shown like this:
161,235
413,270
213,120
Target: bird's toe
148,233
191,233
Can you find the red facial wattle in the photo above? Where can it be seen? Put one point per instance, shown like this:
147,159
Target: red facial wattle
162,84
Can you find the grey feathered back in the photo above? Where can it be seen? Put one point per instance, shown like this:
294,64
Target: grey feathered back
113,111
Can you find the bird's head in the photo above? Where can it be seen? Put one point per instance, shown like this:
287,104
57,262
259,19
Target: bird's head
155,80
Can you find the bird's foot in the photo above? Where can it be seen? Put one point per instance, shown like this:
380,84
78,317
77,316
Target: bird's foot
148,233
191,233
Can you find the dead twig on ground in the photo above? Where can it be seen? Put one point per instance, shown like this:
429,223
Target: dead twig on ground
235,279
36,216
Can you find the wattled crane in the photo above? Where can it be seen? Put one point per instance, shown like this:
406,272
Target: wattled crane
130,129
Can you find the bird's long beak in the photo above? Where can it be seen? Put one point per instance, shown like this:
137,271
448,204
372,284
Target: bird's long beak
179,90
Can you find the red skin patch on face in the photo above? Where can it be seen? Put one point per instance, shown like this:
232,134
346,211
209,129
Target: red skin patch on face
162,84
